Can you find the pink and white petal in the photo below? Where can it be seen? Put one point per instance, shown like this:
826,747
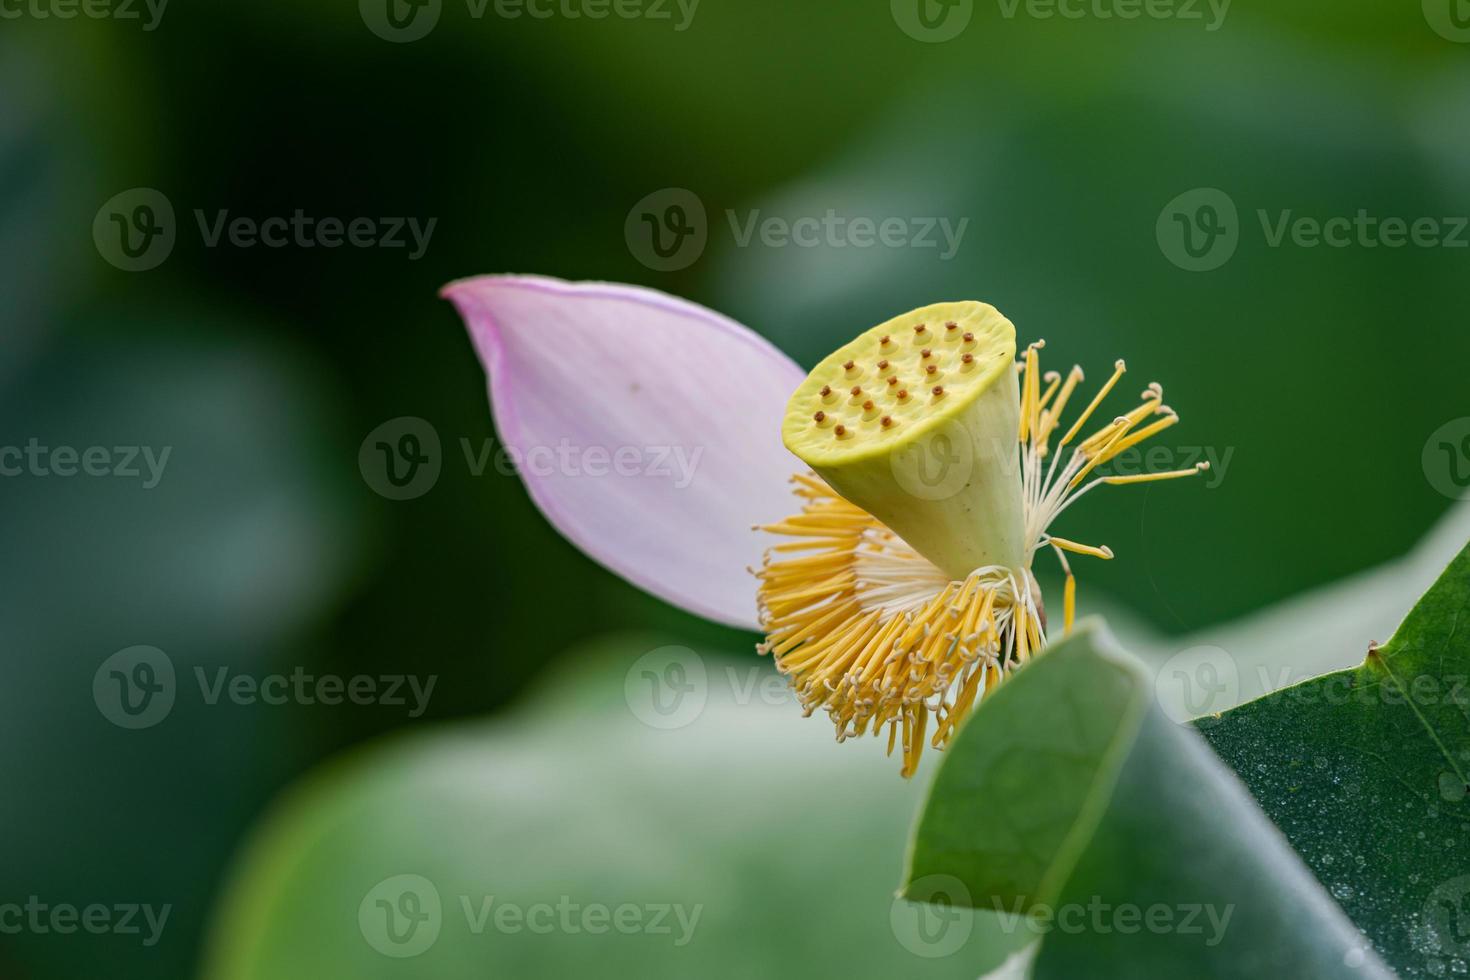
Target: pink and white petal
686,405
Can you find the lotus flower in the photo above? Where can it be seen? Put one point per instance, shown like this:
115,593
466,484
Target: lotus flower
920,454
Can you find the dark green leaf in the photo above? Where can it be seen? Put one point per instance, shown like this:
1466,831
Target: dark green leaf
1366,772
1070,797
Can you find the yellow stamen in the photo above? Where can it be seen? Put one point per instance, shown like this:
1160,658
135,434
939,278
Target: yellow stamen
1069,603
1118,368
1150,477
1080,549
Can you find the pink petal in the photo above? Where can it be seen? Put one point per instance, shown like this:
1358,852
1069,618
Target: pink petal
690,401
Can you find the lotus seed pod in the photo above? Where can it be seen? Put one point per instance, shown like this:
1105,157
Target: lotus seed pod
930,450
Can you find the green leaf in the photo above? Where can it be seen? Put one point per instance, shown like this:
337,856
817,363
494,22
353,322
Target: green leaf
1071,798
784,843
1365,770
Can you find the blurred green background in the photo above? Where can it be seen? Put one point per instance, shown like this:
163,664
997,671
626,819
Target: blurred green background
1318,373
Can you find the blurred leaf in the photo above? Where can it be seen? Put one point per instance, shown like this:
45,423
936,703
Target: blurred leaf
1070,792
784,842
1365,770
32,182
221,554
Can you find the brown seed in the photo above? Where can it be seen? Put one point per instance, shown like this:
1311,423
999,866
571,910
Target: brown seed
969,337
820,416
847,366
857,390
920,328
902,394
968,358
868,405
886,421
883,365
926,352
931,369
840,430
938,390
893,380
826,390
884,340
951,325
